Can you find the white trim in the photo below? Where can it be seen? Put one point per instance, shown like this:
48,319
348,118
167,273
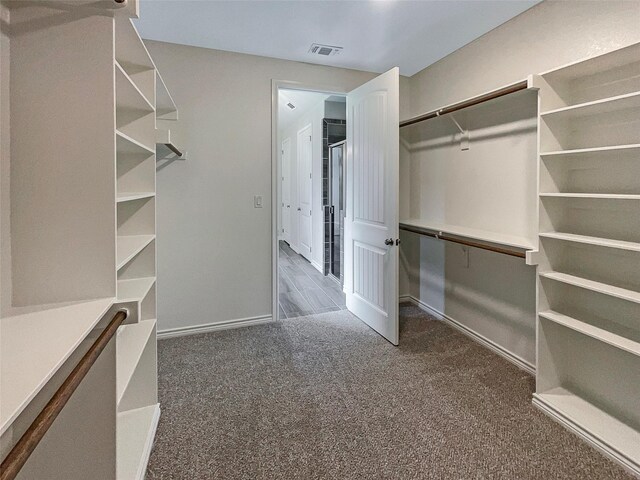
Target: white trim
151,436
212,327
586,435
481,339
317,265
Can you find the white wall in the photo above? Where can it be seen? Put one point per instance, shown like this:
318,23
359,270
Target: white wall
214,248
495,296
313,117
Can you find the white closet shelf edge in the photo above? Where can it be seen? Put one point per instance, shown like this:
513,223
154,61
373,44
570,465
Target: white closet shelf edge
615,438
472,233
136,430
592,331
30,329
598,287
128,246
596,241
131,341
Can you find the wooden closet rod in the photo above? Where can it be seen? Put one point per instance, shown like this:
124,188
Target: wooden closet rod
491,248
29,441
467,103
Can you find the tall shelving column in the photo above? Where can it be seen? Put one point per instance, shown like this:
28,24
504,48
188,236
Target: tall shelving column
588,372
138,410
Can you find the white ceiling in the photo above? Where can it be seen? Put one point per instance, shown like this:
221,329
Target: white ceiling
376,35
303,100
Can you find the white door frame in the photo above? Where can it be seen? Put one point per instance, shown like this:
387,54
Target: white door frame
276,174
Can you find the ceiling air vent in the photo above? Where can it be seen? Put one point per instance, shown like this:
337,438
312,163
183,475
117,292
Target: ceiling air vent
324,50
291,105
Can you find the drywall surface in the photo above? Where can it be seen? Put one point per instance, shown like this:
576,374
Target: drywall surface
214,247
312,117
495,295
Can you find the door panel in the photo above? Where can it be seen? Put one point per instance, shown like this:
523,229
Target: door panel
371,222
304,190
286,190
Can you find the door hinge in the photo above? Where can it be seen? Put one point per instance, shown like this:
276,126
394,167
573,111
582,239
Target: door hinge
309,175
309,212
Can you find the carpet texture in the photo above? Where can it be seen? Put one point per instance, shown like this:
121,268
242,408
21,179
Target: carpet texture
324,397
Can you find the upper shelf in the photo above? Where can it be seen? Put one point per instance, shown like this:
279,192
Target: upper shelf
165,106
28,332
613,152
472,233
596,107
594,65
130,49
128,95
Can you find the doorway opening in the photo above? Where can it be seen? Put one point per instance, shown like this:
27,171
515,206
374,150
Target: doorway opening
311,132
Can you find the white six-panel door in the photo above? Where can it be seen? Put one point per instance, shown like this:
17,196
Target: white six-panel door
371,223
304,191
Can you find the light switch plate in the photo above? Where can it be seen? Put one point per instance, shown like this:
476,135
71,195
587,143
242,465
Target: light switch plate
257,201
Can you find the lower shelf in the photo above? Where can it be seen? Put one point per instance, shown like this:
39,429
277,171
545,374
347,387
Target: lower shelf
613,437
131,341
136,430
611,290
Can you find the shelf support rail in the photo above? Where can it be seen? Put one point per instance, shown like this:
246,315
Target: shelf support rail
20,453
447,238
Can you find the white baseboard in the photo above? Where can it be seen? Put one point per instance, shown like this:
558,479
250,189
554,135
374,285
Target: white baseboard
212,327
317,266
628,464
481,339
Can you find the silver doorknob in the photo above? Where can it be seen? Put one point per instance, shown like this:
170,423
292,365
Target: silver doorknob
288,206
298,208
389,241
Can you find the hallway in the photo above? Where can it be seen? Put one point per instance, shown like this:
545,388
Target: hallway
304,290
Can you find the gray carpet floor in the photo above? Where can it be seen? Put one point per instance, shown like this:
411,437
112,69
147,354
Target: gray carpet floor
324,397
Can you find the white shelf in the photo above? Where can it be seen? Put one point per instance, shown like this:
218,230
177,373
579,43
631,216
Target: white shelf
128,95
590,66
134,290
604,196
472,233
127,145
131,340
27,333
593,331
135,432
130,196
128,246
617,292
165,106
597,241
607,432
130,48
610,151
597,107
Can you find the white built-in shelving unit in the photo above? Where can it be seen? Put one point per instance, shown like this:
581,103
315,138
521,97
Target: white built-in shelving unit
81,241
588,372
